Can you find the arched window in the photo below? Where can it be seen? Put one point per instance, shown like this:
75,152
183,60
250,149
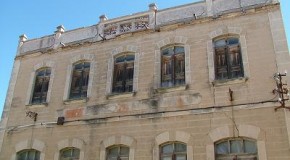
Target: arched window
119,152
236,149
29,154
228,59
80,80
173,151
69,154
123,73
42,77
172,66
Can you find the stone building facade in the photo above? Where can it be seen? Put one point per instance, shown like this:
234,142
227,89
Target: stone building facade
190,82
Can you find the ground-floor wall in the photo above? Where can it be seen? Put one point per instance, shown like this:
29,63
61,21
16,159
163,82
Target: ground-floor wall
144,134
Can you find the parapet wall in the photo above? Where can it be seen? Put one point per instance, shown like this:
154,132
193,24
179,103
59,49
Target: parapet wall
148,20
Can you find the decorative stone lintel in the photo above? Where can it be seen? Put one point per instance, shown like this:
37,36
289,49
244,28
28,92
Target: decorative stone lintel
22,38
74,101
153,7
121,95
40,105
172,89
229,81
103,18
60,29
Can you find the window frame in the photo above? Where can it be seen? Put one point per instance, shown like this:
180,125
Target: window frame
174,153
119,150
83,70
124,78
42,92
173,60
27,151
69,149
228,66
244,154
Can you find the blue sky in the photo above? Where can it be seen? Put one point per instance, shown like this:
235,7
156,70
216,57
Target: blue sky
38,18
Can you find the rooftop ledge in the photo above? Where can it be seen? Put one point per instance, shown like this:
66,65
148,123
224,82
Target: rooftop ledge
149,20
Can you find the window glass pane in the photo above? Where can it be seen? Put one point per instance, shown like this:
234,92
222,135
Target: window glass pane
180,157
41,73
66,153
112,158
242,149
167,148
166,158
124,151
250,147
28,155
222,148
78,66
31,155
120,59
179,69
71,153
119,75
233,41
180,147
234,55
22,156
118,153
130,58
86,65
179,50
37,155
166,72
168,51
220,43
221,63
114,151
236,146
76,153
48,72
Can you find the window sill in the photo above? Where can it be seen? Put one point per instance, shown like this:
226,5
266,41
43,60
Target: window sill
172,89
73,101
230,81
121,95
37,105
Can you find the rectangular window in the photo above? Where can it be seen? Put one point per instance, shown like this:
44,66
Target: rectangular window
41,86
172,66
80,80
228,60
123,74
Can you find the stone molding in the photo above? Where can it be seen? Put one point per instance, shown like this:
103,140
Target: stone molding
66,143
118,140
123,49
171,136
226,31
28,144
44,64
83,57
173,40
